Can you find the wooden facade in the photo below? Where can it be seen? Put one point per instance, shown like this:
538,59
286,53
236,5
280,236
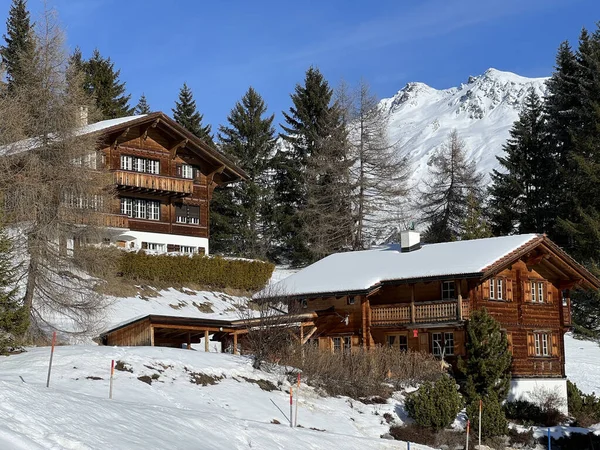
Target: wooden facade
528,293
160,170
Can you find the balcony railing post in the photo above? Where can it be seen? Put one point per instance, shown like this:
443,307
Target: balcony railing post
459,299
412,303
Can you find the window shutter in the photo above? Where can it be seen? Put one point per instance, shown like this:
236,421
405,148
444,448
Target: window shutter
526,290
196,173
178,169
459,343
509,338
548,291
530,344
554,344
486,289
194,212
508,289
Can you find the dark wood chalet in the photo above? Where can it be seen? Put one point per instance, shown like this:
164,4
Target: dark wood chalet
164,178
419,298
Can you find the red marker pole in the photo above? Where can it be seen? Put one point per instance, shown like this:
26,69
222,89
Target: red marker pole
291,406
480,408
297,398
112,373
468,429
51,356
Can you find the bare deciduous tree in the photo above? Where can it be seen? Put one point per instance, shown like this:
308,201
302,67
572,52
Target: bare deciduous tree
50,186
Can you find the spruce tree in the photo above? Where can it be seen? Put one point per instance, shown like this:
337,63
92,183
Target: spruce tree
14,317
18,52
521,190
311,181
475,225
488,362
186,115
444,200
142,106
240,212
102,82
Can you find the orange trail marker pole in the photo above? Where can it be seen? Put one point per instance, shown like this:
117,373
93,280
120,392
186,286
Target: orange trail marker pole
297,398
468,429
51,356
291,406
112,374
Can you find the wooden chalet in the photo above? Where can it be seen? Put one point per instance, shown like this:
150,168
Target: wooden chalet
420,297
164,178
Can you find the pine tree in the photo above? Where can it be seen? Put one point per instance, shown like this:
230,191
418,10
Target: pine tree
142,107
475,224
240,212
451,180
18,52
14,319
488,362
102,82
186,115
311,181
520,192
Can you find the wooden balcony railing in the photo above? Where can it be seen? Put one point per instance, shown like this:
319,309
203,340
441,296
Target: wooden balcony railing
424,312
115,221
150,183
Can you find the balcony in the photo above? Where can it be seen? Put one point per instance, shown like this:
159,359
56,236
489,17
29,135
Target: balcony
423,313
147,183
115,220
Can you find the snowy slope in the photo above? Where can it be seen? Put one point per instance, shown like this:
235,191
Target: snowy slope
171,412
582,363
482,111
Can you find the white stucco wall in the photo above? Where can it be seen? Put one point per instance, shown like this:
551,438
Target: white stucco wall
532,388
137,237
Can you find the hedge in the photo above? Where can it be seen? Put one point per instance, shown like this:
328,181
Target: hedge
210,271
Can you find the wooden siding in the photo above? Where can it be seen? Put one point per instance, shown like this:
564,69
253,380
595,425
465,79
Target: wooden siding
152,183
139,333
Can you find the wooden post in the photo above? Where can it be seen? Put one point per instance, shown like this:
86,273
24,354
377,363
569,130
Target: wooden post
206,349
189,341
235,349
412,304
459,301
151,336
51,356
364,321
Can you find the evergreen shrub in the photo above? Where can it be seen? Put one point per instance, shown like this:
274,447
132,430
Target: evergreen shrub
435,405
493,420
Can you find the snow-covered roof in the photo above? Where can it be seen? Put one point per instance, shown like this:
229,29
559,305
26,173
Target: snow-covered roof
26,145
360,271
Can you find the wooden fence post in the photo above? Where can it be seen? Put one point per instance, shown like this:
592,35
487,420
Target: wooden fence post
51,356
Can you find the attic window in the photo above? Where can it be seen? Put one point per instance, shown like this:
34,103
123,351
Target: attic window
351,300
304,303
448,292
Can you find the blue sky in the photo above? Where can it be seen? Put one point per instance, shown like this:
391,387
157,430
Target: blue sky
222,47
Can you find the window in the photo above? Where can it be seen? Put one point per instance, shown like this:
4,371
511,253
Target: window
187,214
492,288
304,303
449,343
565,297
351,300
126,162
313,342
391,340
187,250
448,290
403,342
139,164
541,344
398,341
337,344
537,291
153,166
187,171
499,283
442,342
156,247
140,208
347,344
499,289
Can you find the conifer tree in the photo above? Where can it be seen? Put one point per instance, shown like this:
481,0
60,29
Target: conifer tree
240,212
186,115
14,317
102,82
18,52
475,224
142,106
520,192
488,362
451,180
311,178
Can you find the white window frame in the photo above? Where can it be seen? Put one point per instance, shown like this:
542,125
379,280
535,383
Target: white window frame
447,288
188,249
127,207
155,246
540,288
126,162
541,341
500,287
181,219
337,344
187,171
533,292
153,166
449,343
153,208
347,344
437,341
140,210
492,288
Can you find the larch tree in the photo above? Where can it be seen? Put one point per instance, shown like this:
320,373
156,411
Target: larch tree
311,180
142,106
186,114
240,212
379,173
18,51
451,180
102,83
520,194
49,190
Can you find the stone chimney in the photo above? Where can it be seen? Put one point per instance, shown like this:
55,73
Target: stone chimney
410,241
82,118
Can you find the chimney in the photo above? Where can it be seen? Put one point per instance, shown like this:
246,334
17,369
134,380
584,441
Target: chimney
82,119
410,241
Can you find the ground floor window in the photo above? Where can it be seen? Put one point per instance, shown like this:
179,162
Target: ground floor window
154,246
399,341
342,344
442,343
140,208
541,344
188,250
